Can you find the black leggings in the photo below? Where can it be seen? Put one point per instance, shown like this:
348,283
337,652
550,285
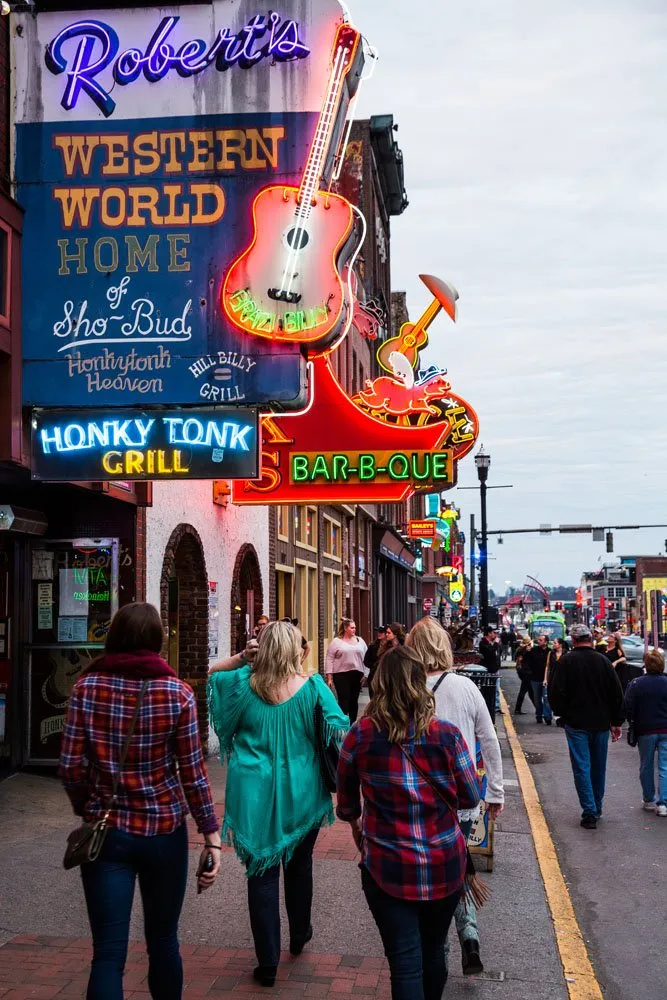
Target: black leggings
348,686
264,902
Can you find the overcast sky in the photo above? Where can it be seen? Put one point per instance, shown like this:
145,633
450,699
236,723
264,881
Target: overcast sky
535,145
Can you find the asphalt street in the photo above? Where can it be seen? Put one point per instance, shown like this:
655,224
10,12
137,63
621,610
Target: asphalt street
616,873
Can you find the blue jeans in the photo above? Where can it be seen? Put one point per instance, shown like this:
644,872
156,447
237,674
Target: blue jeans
465,916
413,935
541,702
161,864
588,756
649,746
264,902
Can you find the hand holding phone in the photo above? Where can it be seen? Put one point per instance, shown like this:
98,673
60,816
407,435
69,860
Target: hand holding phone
209,865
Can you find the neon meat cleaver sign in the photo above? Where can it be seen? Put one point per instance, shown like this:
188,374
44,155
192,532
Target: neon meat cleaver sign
85,49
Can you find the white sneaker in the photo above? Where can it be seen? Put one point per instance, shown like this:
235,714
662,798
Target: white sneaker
649,807
662,810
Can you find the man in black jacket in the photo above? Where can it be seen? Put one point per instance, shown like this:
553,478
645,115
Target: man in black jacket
536,660
586,693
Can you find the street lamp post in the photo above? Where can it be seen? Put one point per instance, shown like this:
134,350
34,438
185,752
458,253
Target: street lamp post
483,461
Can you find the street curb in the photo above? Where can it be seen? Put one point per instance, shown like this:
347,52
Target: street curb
579,974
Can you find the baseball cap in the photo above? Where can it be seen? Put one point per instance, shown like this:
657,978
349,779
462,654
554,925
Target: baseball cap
581,632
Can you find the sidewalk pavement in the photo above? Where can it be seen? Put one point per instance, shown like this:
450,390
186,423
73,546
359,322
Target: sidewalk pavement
44,936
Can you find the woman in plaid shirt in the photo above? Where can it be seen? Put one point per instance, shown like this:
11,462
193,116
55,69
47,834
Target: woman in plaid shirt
164,776
413,854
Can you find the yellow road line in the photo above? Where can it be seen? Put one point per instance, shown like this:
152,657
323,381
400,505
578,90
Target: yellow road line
581,981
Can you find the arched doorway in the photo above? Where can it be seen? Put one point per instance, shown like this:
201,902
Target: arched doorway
184,608
247,598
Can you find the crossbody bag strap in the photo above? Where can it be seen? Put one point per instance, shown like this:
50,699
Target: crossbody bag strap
429,780
438,682
126,746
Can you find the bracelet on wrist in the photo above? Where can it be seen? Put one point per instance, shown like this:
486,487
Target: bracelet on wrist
213,847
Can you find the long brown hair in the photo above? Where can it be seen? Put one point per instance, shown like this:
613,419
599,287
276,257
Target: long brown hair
400,697
278,658
133,628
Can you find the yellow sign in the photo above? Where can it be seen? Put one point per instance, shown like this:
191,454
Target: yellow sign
650,583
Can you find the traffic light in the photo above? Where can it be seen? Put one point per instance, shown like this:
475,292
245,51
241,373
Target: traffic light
610,542
579,599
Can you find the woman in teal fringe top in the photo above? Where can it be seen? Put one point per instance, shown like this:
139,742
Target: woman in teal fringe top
275,799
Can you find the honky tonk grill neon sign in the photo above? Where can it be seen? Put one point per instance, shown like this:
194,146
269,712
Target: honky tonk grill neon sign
263,37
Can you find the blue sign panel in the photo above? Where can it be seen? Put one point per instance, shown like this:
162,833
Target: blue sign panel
130,227
106,444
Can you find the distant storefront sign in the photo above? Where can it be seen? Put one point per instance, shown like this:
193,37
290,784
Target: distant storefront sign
143,139
92,445
422,529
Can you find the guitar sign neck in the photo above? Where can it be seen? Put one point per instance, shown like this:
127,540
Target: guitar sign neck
344,48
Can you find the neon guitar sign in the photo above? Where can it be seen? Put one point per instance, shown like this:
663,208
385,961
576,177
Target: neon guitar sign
289,286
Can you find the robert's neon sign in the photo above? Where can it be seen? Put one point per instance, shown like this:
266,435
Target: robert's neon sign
263,37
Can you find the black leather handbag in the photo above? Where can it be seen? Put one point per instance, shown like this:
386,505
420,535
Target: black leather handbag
85,843
327,753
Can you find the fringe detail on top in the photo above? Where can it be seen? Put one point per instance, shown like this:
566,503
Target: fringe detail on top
282,854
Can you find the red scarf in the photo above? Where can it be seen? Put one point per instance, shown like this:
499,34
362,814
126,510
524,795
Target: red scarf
142,665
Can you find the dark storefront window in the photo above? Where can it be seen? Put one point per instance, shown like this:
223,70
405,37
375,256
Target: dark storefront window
74,594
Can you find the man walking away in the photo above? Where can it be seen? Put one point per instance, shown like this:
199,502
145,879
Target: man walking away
536,660
585,691
505,638
489,650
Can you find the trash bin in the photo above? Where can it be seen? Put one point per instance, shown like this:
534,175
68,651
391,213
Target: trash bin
487,684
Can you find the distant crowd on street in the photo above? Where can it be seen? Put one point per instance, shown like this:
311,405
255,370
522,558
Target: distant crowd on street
592,689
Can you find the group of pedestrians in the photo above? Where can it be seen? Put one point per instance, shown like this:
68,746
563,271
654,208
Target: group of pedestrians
406,783
534,663
592,690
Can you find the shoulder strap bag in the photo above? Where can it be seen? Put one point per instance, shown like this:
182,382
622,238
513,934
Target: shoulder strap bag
477,891
327,753
85,843
438,682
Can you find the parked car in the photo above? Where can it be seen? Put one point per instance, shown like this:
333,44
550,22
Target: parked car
633,646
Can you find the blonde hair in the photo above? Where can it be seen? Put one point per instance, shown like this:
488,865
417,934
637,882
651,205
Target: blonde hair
432,645
654,661
400,697
278,658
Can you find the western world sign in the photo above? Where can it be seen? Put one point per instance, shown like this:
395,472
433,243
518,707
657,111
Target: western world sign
145,138
105,444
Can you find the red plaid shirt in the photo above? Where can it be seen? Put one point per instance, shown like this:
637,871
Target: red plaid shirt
164,771
413,846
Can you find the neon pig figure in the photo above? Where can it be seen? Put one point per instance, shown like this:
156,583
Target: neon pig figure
135,434
99,44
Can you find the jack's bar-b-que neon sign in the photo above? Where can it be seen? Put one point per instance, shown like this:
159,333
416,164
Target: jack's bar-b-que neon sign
92,445
263,37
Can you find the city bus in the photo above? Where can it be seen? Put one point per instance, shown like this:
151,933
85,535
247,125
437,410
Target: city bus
550,623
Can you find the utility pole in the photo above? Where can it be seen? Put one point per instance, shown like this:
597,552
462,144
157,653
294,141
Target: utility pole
473,538
483,461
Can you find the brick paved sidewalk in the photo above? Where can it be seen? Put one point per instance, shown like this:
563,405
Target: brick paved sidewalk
46,968
38,901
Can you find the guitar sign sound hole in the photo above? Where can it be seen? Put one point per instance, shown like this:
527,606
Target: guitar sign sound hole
297,239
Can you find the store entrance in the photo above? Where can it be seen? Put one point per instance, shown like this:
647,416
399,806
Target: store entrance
74,595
